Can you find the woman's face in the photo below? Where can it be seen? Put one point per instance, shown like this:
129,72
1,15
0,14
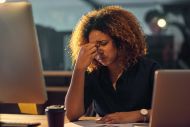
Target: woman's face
106,49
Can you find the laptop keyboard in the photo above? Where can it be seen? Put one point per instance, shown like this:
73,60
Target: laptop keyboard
18,124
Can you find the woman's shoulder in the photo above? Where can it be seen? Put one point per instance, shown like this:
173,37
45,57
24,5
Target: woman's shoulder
146,63
149,63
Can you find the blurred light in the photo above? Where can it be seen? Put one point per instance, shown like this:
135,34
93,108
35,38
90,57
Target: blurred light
161,23
2,1
156,20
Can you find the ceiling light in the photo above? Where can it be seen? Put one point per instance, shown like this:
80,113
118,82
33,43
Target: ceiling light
161,22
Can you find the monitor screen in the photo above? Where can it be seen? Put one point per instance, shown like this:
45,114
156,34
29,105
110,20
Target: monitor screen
21,78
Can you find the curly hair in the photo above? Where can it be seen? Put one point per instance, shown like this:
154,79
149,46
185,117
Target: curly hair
120,24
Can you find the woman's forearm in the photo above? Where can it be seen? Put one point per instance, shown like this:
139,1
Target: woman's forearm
74,100
124,117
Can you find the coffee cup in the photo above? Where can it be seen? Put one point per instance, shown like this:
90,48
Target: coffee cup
55,115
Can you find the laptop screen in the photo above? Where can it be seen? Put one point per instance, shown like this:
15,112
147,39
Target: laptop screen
171,102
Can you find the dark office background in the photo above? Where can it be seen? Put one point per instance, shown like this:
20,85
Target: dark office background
170,45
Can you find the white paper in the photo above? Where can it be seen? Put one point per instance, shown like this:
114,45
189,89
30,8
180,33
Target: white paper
92,123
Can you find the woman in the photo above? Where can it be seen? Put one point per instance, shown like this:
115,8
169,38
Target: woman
108,49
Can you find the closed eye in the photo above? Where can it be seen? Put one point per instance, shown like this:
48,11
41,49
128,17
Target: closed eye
103,42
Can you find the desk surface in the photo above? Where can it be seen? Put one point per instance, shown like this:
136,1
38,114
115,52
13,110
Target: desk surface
31,118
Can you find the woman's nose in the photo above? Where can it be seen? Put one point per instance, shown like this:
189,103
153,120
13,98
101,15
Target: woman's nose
97,45
99,50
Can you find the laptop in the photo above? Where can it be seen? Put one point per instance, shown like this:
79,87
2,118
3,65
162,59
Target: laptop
171,99
21,78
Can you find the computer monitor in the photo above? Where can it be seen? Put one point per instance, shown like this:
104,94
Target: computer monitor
21,78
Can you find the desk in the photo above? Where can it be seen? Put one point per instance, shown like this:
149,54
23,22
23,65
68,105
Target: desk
32,118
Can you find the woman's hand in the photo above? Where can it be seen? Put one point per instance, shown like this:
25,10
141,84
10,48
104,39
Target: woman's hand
121,117
86,55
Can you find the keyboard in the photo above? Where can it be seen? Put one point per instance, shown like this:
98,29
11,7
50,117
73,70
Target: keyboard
17,124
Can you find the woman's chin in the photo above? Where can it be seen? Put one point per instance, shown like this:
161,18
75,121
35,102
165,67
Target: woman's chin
107,63
104,63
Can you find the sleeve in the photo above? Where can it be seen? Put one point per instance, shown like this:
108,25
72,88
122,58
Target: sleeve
88,90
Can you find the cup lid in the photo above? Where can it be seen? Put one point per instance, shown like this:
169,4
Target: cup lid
55,108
